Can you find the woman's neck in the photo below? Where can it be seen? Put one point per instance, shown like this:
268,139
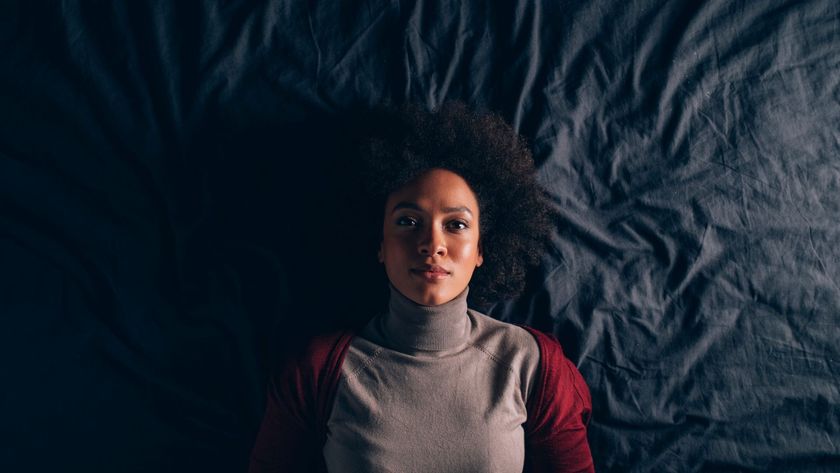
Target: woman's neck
411,326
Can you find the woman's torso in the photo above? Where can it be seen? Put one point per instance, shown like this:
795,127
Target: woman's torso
455,404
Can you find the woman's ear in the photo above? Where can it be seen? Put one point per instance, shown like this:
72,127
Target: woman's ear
480,260
379,254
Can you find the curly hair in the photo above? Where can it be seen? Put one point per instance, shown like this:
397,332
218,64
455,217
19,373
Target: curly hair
515,217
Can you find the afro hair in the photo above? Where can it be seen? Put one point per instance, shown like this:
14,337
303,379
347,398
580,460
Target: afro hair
515,218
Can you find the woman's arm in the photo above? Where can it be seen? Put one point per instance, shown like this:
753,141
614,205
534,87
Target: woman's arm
558,412
286,440
292,433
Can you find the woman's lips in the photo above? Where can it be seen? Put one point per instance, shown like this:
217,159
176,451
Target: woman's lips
432,273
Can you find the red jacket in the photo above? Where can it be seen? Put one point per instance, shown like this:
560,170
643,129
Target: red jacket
300,398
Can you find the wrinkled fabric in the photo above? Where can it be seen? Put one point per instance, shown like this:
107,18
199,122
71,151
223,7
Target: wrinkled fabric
176,188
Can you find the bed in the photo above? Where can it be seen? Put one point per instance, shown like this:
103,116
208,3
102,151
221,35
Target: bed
173,194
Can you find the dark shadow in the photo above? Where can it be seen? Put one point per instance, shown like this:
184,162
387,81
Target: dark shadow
294,227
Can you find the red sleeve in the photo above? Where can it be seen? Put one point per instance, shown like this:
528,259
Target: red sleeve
558,412
299,400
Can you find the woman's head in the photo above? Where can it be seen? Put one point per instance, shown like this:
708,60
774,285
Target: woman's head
431,237
450,159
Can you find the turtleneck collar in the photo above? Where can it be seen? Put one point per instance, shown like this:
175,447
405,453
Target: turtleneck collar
410,326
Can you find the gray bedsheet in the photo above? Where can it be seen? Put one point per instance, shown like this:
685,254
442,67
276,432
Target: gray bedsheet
172,199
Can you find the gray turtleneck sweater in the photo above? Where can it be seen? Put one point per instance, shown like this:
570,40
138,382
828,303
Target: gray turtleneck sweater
432,389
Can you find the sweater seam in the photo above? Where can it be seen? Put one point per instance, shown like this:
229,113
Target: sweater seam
492,356
502,363
366,363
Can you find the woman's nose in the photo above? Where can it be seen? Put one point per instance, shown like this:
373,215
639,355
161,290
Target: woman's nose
432,243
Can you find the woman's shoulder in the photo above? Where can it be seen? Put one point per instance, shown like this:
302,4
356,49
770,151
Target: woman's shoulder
537,355
321,357
306,378
509,346
518,336
502,336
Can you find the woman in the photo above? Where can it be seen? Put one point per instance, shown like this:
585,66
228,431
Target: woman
430,385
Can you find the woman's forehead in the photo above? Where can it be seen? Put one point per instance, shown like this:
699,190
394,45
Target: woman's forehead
436,189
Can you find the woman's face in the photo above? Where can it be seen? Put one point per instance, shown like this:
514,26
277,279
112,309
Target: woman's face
430,237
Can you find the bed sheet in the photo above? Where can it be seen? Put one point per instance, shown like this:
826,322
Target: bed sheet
174,202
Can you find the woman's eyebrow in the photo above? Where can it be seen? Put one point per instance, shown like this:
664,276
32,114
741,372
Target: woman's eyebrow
457,209
406,205
413,206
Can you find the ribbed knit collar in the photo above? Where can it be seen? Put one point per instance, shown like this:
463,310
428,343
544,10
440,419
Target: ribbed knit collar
410,326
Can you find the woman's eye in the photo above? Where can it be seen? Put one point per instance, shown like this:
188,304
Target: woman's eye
458,225
406,222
